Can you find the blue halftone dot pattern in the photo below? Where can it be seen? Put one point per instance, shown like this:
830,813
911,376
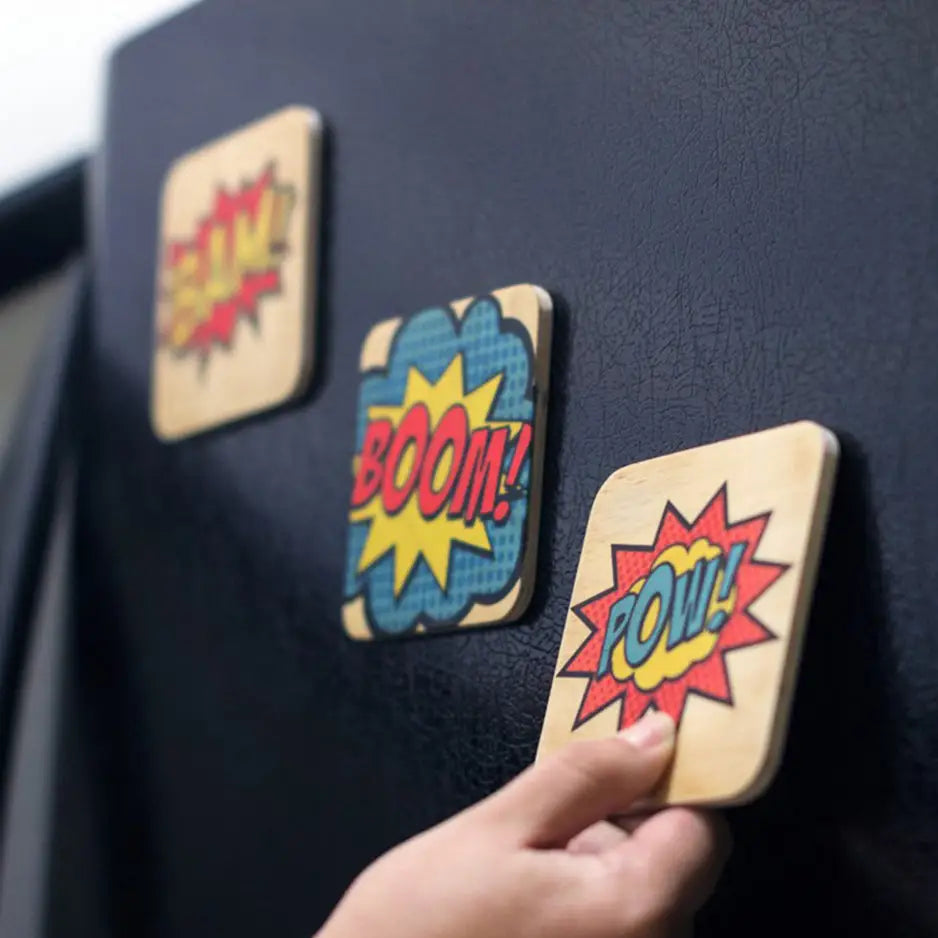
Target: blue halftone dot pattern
429,341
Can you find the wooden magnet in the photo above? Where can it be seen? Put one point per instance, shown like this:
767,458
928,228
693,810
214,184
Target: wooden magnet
446,477
236,275
691,596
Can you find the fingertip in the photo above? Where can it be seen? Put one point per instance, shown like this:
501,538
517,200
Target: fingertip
655,730
683,852
690,828
709,828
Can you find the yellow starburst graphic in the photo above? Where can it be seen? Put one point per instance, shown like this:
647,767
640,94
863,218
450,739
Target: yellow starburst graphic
408,532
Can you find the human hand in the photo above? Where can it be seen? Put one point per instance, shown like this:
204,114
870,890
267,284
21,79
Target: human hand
541,859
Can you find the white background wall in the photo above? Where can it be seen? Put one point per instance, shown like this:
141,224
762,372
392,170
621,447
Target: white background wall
52,59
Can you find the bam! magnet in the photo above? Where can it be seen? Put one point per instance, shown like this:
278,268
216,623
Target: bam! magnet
449,441
691,597
236,275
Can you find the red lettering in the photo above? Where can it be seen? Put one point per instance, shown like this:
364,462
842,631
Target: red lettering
412,431
473,475
477,488
371,462
450,433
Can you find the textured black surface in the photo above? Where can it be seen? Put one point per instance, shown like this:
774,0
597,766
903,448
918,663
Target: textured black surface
734,205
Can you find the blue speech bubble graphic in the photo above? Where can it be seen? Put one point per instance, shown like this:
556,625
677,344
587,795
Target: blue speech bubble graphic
429,341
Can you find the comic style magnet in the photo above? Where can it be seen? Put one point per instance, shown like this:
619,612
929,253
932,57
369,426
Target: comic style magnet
446,476
691,597
236,275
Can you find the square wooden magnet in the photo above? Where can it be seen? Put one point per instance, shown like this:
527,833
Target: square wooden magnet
691,597
236,275
446,477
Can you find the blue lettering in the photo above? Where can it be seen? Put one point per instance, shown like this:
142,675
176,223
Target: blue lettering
683,600
659,585
690,605
618,619
706,590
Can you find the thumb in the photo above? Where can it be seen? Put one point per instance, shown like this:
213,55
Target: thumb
585,782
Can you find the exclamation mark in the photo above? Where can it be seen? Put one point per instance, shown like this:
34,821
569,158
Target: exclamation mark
733,559
503,507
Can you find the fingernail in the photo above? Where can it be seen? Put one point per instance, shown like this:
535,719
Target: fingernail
652,730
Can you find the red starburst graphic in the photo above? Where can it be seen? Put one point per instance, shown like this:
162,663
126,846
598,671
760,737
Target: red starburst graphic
709,677
217,323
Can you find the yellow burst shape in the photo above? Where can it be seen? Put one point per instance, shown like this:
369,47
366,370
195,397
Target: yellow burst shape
408,533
